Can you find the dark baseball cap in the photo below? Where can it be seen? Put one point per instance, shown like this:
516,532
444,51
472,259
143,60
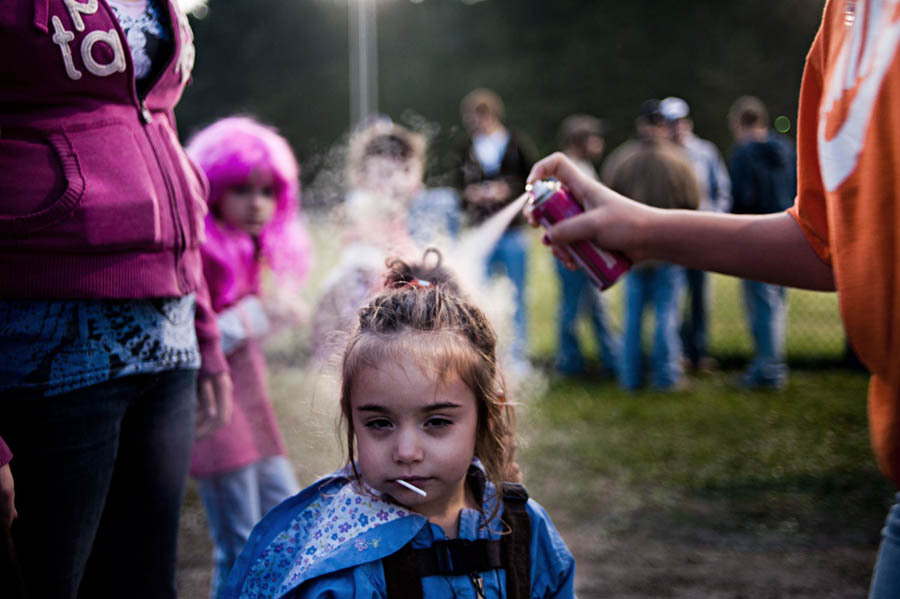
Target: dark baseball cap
651,112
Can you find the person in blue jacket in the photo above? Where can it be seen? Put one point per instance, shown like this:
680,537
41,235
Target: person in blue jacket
420,509
763,170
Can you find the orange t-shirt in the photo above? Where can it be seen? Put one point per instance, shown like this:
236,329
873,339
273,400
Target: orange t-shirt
848,201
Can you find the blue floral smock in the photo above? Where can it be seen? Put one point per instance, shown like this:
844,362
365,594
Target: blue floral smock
329,539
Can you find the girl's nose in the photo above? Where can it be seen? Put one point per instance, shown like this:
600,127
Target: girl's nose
407,449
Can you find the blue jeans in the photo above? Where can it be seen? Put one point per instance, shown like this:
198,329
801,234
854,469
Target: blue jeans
886,578
235,501
766,315
510,255
577,294
659,285
100,475
694,323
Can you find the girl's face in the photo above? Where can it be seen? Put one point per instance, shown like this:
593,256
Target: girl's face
409,426
251,205
391,178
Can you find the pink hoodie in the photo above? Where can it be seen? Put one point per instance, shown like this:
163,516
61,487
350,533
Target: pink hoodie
97,197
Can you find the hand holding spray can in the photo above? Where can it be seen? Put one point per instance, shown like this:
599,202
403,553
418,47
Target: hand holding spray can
551,203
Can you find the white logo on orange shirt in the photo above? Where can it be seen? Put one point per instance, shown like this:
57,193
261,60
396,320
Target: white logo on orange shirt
853,88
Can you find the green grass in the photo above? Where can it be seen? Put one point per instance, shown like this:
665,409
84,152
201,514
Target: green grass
801,455
795,459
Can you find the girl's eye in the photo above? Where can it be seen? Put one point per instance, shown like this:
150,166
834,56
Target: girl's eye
268,191
242,188
379,424
438,422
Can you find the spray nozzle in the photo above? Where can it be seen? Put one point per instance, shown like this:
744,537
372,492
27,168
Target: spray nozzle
541,188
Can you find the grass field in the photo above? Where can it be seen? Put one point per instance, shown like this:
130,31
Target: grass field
710,492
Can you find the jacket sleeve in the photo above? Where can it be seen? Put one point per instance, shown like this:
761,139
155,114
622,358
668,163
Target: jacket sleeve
5,453
740,180
516,171
722,198
208,337
552,564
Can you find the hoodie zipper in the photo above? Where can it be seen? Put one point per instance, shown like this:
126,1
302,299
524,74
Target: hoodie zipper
146,117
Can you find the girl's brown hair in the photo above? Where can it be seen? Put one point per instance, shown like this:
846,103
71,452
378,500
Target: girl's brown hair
423,313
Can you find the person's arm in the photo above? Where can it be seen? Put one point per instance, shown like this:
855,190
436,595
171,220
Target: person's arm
214,390
770,248
7,489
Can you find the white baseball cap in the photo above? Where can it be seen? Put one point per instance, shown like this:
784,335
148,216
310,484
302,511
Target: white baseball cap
674,108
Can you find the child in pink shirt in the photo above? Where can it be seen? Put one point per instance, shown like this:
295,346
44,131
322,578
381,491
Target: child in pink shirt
251,230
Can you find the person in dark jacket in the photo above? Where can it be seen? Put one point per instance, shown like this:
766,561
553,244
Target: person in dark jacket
490,172
763,174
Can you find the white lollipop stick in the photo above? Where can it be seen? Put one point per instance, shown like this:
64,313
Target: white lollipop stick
412,488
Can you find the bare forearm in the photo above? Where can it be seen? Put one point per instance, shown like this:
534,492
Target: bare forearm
770,248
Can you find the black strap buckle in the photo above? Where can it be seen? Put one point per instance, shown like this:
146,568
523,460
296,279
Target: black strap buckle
458,556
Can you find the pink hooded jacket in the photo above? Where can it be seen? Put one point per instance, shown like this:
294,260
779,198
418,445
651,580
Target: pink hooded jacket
97,197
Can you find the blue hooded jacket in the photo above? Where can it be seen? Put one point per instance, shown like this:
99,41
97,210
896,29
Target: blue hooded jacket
329,539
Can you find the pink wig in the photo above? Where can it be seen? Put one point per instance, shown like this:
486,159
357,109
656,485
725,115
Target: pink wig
228,151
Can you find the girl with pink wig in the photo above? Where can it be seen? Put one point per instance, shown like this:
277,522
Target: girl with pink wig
252,231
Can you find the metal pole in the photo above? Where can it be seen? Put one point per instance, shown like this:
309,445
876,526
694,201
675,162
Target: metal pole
372,54
363,60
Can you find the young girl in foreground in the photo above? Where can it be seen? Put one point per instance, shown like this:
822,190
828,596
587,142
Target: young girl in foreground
252,231
415,512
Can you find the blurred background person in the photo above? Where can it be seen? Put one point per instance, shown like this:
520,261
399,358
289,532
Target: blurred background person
652,170
715,196
581,139
763,170
490,171
384,171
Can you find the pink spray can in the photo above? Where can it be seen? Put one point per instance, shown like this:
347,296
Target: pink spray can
550,203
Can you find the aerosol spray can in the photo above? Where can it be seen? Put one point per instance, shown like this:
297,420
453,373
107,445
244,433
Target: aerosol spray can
550,203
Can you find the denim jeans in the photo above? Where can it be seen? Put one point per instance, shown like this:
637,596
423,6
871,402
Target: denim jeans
694,322
510,255
766,316
886,578
578,294
235,501
660,285
100,475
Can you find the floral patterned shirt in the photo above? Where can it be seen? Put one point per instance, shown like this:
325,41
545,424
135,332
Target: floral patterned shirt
56,346
147,29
